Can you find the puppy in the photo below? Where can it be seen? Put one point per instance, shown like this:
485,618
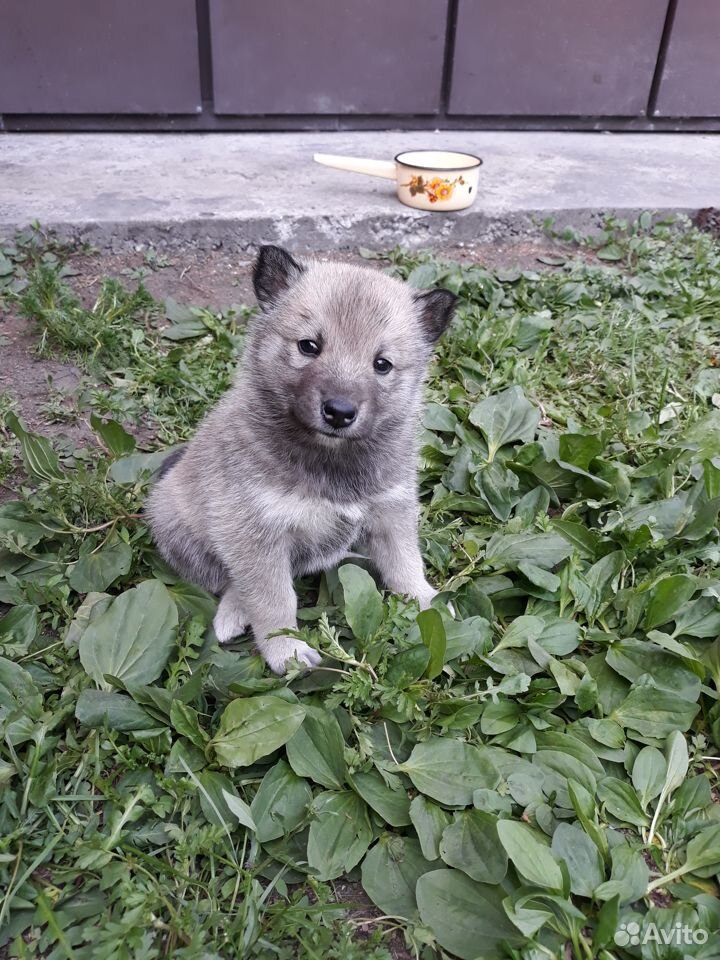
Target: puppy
313,449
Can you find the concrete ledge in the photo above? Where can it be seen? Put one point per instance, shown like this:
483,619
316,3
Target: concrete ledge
114,190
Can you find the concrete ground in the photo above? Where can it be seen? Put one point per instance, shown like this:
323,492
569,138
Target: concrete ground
238,190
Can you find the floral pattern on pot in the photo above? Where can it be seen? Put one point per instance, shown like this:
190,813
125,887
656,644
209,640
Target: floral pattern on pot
435,189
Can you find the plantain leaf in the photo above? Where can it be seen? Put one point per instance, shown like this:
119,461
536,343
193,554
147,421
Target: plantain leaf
340,834
530,854
450,771
253,728
133,638
363,603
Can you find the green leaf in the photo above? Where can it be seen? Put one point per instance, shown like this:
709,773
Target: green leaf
20,627
100,708
648,774
711,471
498,487
178,312
212,789
552,741
281,803
583,804
393,804
317,749
586,695
425,275
703,436
188,329
701,618
193,601
703,850
594,590
464,916
580,448
505,418
253,728
38,455
450,771
585,865
131,469
559,767
610,252
133,638
607,923
628,876
239,809
544,550
500,717
408,666
621,801
439,418
585,541
363,603
471,843
712,662
390,872
702,856
117,440
667,597
607,732
96,571
677,763
17,527
20,701
187,723
466,637
530,854
186,323
520,632
429,821
652,712
539,577
340,834
635,659
433,636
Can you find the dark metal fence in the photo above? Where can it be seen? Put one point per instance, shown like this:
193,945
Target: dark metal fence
359,64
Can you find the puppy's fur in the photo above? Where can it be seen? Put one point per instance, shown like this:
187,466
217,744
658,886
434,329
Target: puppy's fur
268,489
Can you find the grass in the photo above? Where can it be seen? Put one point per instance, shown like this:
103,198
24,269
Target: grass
527,780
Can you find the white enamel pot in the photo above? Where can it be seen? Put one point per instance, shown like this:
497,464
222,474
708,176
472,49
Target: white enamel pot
439,180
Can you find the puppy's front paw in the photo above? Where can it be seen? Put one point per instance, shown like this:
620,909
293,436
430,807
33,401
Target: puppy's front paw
278,650
427,594
229,622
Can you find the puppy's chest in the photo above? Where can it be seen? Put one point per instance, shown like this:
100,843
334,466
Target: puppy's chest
315,520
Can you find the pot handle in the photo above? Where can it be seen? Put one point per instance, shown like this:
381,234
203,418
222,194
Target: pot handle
374,168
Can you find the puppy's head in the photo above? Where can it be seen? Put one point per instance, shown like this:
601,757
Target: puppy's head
340,351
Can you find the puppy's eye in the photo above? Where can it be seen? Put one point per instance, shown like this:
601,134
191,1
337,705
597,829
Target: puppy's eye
309,348
382,365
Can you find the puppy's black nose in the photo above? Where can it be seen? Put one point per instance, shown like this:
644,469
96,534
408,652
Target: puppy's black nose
338,412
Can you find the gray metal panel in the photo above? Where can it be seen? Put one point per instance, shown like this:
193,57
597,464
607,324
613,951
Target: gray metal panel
96,56
327,56
555,57
690,85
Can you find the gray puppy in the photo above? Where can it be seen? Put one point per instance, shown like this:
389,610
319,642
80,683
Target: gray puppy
313,449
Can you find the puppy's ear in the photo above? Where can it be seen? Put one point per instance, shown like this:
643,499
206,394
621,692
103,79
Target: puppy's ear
275,270
436,312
